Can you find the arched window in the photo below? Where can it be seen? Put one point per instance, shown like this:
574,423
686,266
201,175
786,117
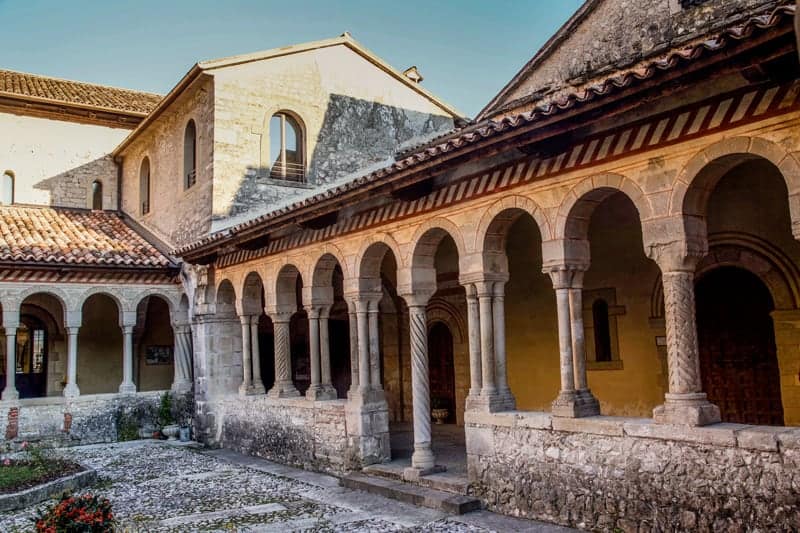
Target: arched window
97,194
7,188
189,155
602,331
144,186
286,148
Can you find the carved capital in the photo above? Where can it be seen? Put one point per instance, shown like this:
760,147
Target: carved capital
566,276
675,256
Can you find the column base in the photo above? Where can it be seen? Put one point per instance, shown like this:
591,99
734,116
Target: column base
686,410
364,397
244,389
422,459
320,392
10,395
258,388
284,389
412,474
130,388
181,387
492,402
575,404
71,390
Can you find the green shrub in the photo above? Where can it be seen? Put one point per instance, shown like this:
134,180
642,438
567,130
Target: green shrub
165,410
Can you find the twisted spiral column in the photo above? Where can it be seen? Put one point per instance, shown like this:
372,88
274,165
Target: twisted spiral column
422,457
283,388
682,350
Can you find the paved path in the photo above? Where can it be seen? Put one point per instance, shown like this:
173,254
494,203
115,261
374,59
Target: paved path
155,486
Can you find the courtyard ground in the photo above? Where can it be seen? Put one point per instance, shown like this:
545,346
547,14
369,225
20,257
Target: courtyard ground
156,486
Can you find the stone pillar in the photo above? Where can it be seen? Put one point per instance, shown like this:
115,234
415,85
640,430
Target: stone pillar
326,385
284,387
566,402
485,297
353,324
685,403
473,326
363,346
374,346
71,390
505,398
587,403
255,356
313,344
422,459
182,381
128,386
247,367
10,393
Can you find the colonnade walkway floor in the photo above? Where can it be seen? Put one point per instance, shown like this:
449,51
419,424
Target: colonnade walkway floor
157,486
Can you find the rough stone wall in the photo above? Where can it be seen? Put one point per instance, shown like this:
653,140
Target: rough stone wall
631,475
618,33
177,215
312,435
55,162
354,116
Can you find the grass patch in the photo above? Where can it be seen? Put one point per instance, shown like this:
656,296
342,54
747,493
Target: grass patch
20,475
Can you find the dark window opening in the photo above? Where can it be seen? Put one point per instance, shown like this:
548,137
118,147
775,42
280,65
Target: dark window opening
190,155
97,195
286,148
602,331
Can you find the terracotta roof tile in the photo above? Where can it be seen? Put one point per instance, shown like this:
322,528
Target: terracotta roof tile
60,236
20,84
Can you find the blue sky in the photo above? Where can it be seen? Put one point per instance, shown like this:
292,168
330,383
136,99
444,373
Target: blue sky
466,50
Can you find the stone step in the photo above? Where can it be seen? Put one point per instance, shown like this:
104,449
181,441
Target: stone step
447,502
445,481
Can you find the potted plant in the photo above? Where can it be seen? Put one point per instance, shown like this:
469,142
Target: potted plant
439,410
165,421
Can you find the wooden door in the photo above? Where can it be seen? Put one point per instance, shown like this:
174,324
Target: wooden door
442,369
738,357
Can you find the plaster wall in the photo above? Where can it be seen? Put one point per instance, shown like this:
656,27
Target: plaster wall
55,162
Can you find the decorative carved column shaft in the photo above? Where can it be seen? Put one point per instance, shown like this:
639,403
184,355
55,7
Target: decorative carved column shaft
128,386
284,387
11,392
422,457
71,390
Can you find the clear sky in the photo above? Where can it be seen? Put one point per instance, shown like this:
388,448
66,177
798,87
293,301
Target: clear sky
466,49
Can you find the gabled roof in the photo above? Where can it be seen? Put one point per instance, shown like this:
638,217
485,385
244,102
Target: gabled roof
214,64
52,236
32,87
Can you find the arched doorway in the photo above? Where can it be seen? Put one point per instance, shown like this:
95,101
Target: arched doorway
442,370
32,339
736,337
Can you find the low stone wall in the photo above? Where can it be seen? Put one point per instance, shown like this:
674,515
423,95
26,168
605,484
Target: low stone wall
86,419
297,432
607,473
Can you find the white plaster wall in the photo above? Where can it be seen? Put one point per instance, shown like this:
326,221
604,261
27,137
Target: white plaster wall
56,161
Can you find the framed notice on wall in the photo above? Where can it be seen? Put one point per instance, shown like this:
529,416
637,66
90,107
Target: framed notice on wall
158,355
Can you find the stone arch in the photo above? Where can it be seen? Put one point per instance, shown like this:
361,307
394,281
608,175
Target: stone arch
370,258
575,211
445,312
322,291
698,178
250,294
169,299
492,233
420,274
328,251
68,306
225,298
110,292
286,288
768,262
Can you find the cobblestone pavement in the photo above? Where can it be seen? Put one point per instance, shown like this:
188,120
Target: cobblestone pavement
155,486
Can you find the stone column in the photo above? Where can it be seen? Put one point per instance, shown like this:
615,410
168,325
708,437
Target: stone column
363,346
128,386
422,458
587,403
326,385
71,390
313,337
247,367
374,346
353,325
685,403
505,398
284,387
255,356
485,297
182,381
473,326
565,403
11,393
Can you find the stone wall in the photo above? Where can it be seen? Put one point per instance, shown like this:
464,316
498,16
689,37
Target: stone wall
55,162
83,420
605,473
312,435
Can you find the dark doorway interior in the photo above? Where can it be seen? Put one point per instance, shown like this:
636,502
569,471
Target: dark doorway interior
738,356
442,369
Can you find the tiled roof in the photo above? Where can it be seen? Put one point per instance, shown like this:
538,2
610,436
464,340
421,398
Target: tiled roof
65,92
60,236
473,134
